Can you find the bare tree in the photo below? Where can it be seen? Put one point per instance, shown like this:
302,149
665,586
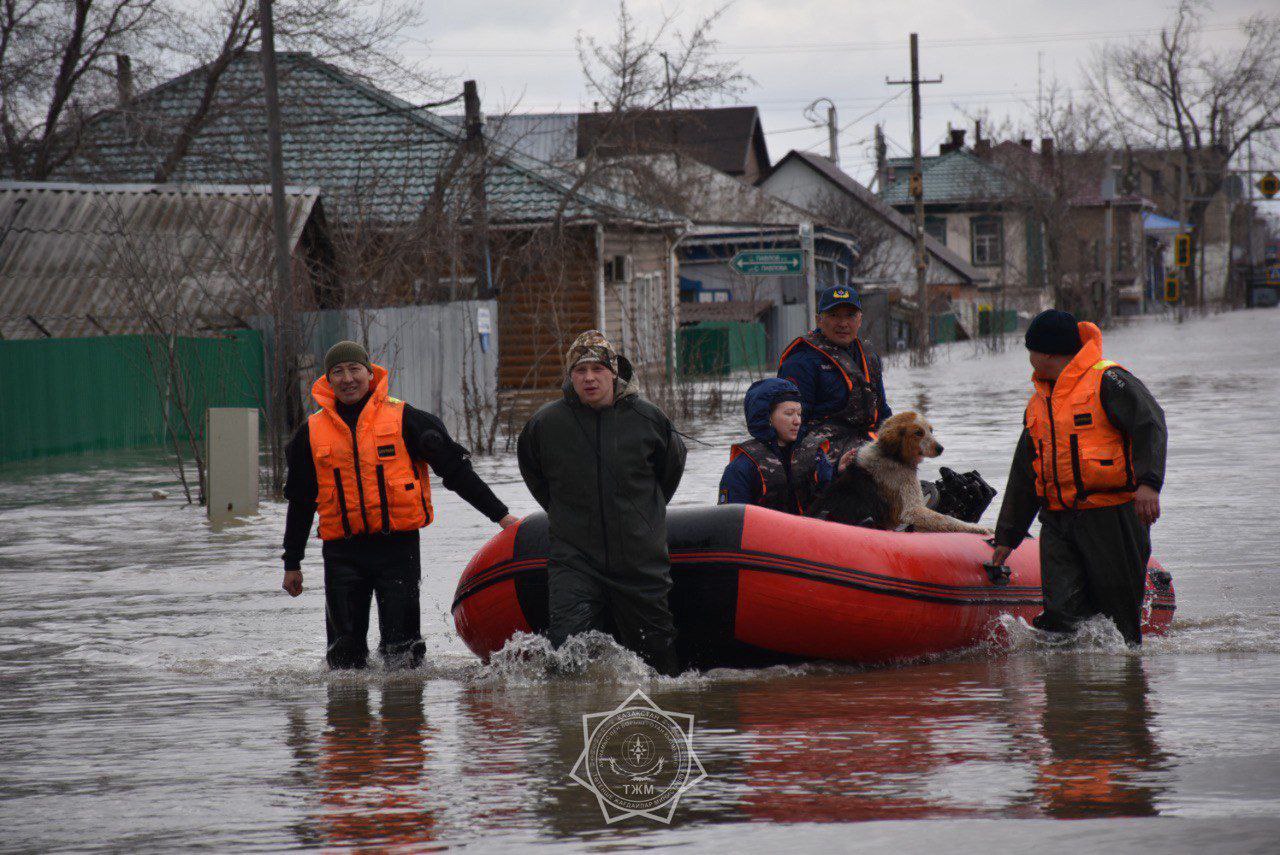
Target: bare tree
66,65
1173,92
54,71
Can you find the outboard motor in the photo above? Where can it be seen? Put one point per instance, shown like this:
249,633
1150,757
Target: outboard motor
964,497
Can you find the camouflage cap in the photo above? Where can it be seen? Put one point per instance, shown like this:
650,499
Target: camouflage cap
592,346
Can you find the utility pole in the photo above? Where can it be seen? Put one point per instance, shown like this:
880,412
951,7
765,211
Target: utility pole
666,67
882,159
833,134
1183,272
810,274
833,130
1248,229
924,352
285,317
1040,122
1108,200
477,154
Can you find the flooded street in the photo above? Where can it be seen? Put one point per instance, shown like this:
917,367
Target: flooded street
160,691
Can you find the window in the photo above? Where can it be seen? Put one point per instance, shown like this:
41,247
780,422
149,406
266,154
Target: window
936,228
986,246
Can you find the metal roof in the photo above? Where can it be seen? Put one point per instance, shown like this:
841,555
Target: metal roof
376,156
699,192
550,138
956,177
84,260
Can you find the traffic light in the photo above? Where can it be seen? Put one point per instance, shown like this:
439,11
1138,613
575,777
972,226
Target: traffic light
1182,250
1171,288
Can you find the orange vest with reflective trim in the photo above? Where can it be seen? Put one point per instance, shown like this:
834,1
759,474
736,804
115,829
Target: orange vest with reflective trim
1082,461
368,482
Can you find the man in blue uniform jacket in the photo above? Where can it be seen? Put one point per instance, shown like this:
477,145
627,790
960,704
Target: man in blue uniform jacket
840,379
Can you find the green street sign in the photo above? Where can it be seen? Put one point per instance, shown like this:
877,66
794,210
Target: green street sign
769,262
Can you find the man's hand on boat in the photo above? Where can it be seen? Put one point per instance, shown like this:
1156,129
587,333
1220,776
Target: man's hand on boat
1000,555
1146,501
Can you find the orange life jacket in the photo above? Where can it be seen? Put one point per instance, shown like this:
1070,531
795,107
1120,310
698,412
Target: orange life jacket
368,482
1082,460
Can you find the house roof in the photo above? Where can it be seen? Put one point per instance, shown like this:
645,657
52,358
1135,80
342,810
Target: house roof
80,260
701,193
956,177
376,155
828,169
721,137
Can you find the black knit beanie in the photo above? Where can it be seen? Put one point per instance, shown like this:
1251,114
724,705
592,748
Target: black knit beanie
346,351
1053,331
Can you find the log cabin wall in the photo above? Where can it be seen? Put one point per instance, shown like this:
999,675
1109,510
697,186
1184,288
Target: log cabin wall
547,297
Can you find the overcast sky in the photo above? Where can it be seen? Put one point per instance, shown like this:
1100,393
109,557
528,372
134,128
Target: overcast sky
522,54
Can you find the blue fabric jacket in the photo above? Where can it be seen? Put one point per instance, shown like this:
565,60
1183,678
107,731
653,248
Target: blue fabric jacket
822,389
740,483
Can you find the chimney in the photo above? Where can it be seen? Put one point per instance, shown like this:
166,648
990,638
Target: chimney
124,79
1046,149
981,146
474,122
1025,142
955,143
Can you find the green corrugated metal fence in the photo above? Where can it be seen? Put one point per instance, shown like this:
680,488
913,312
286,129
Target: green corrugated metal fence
62,396
721,347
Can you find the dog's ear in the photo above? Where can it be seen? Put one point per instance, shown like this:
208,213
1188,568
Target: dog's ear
891,437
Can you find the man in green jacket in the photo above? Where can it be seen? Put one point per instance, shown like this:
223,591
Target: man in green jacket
604,462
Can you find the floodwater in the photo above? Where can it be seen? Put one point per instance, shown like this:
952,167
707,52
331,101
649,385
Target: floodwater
160,691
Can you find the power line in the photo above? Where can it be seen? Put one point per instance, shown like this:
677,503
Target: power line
829,47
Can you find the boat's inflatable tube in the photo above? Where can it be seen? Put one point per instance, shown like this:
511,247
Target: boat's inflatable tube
755,587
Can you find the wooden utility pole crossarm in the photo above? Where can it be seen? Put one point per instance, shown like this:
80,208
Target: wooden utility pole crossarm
923,333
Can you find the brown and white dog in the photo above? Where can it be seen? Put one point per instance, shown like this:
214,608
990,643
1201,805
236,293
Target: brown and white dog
893,461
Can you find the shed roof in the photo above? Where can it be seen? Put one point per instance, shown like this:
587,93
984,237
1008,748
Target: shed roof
80,260
375,155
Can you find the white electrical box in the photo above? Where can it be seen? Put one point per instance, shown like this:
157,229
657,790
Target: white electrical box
231,439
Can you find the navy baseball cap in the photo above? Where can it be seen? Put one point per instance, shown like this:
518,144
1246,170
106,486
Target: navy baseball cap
840,295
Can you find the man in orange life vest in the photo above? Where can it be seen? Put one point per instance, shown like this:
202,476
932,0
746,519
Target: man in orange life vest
364,461
1090,461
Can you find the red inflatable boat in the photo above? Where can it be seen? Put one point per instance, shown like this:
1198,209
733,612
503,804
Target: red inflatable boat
757,587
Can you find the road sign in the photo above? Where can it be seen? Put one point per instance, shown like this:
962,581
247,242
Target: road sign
1269,184
1171,288
769,262
1182,250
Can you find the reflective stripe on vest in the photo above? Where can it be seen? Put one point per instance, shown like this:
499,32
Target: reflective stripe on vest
861,410
1082,460
368,482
